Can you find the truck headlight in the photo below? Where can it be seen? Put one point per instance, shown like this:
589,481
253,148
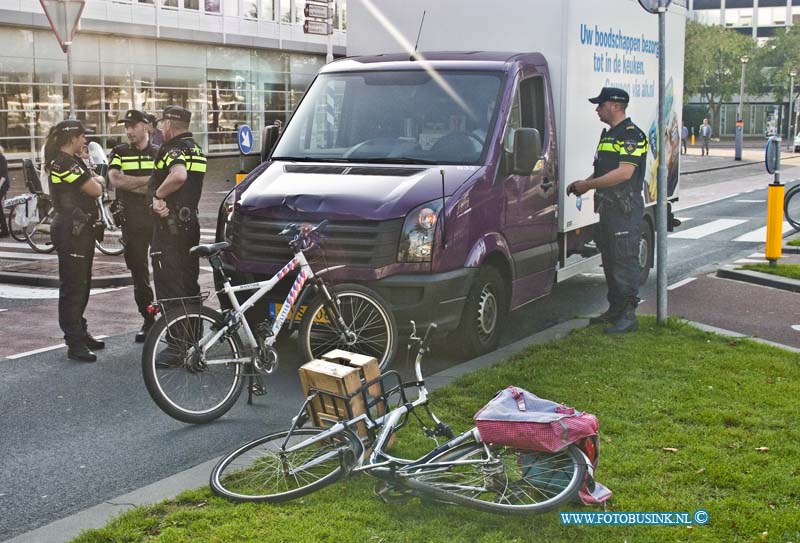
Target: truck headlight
416,241
225,217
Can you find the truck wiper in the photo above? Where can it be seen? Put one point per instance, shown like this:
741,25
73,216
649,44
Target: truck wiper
309,159
395,160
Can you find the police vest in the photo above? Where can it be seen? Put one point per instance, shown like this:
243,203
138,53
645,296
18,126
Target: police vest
134,162
182,150
67,175
623,144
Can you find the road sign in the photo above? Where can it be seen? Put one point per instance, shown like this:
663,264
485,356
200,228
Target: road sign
63,16
772,157
317,27
317,11
245,139
652,5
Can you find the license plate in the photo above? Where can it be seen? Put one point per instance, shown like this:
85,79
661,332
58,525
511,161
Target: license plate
275,309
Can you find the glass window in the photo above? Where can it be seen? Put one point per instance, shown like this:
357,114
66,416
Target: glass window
213,6
268,9
250,9
514,122
170,3
286,11
191,4
16,101
708,16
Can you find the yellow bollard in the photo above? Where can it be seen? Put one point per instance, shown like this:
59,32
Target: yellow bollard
774,223
241,175
692,139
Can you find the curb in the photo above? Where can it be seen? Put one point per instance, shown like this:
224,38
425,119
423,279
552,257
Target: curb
758,278
50,281
728,333
68,528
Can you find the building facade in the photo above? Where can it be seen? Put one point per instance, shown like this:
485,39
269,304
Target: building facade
230,62
759,19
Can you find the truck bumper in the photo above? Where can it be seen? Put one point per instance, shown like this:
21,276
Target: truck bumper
426,298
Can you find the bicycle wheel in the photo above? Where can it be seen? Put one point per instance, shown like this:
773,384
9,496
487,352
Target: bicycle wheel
260,472
366,315
112,242
185,385
791,207
17,232
513,481
38,234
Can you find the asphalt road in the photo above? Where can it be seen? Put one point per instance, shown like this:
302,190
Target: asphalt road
72,436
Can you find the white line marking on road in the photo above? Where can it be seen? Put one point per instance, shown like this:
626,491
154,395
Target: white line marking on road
751,201
26,256
1,310
207,268
679,284
711,201
43,350
684,219
707,229
750,261
760,235
796,327
208,230
15,245
757,255
15,292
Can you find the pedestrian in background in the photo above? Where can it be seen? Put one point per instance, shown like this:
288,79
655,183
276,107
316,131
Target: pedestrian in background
175,186
684,137
705,134
618,179
73,187
5,184
129,170
155,134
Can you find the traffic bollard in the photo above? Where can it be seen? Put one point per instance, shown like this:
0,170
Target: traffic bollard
240,177
774,223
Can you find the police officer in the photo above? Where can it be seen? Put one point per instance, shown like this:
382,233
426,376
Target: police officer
129,170
73,188
617,179
175,188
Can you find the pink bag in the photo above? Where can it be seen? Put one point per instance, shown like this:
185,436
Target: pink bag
517,418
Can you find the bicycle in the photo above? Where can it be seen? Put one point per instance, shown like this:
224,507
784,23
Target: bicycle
196,377
464,470
112,244
791,207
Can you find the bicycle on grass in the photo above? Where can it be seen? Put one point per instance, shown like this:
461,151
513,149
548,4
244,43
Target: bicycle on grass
193,360
791,207
499,479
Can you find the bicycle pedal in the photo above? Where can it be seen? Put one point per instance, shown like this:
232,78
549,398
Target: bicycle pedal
390,493
257,389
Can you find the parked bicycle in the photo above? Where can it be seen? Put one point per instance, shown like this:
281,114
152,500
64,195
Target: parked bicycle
791,207
499,479
193,360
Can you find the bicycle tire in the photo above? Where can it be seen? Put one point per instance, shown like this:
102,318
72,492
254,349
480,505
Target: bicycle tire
182,390
791,210
112,244
38,235
512,486
364,311
237,475
17,232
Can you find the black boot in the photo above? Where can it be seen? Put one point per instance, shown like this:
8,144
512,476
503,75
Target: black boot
142,334
625,323
81,353
611,315
94,343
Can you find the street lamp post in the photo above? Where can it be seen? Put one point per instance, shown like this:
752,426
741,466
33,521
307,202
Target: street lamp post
740,116
789,131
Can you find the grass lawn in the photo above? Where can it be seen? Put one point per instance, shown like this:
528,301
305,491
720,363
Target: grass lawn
725,408
792,271
795,242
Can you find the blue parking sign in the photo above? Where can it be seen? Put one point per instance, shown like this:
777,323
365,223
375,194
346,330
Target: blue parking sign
245,139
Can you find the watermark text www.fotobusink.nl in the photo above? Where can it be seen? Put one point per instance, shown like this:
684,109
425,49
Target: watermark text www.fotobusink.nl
656,518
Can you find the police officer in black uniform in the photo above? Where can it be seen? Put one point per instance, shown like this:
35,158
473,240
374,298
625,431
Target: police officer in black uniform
175,188
617,179
129,170
73,188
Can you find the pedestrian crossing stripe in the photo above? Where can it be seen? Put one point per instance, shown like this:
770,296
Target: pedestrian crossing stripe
707,229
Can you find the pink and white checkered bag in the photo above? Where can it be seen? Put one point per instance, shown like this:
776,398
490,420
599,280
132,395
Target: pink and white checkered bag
517,418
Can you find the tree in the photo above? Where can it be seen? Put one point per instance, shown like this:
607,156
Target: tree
779,56
712,65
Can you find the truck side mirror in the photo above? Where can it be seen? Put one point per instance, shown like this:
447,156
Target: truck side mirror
527,150
269,136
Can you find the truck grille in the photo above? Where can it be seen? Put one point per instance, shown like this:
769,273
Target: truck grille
360,244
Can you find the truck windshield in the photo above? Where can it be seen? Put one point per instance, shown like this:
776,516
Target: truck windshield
394,117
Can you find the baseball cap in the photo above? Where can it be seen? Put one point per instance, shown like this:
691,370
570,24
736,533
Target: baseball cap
134,116
176,113
611,94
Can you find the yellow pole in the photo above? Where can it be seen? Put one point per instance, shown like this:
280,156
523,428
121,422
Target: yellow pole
692,139
774,223
241,175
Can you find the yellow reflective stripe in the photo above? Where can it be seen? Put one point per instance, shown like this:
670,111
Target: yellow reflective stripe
116,161
607,147
54,178
137,166
147,164
72,177
196,167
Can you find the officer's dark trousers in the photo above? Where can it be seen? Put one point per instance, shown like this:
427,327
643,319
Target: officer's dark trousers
617,238
137,231
175,271
75,255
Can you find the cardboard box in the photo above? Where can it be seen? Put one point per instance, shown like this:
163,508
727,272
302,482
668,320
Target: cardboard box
341,373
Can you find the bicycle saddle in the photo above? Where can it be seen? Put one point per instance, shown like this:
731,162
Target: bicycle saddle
209,249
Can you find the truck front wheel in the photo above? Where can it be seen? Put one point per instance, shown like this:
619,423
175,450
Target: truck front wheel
484,312
645,251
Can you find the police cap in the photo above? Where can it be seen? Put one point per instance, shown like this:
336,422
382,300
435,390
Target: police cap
71,126
176,113
611,94
134,116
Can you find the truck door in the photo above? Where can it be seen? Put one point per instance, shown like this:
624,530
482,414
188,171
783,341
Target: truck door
530,200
